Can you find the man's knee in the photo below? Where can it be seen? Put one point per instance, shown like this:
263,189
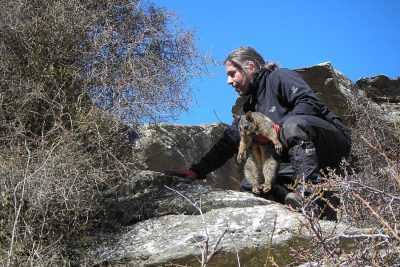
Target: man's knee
295,128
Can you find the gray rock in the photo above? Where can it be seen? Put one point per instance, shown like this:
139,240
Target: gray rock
334,89
383,91
173,217
171,147
151,194
380,88
176,238
330,85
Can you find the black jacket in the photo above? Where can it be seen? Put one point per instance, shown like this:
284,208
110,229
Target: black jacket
277,94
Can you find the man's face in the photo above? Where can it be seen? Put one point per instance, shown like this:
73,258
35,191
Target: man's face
237,78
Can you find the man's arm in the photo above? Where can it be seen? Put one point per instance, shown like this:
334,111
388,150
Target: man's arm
222,151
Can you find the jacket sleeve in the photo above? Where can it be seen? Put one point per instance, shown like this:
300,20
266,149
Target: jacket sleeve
221,152
294,93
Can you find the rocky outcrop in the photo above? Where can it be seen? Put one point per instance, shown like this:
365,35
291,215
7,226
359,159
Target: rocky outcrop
170,147
151,194
331,86
185,215
383,91
380,88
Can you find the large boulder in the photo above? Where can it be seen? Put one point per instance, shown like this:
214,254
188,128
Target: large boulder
150,194
170,147
330,85
383,91
186,215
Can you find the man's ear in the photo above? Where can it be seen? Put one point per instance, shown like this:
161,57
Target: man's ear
251,67
249,116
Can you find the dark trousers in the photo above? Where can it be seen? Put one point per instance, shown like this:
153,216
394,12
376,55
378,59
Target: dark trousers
330,141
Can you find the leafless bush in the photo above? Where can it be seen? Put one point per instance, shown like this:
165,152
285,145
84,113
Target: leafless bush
369,191
376,180
58,151
130,57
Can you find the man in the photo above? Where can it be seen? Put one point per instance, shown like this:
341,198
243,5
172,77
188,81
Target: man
313,136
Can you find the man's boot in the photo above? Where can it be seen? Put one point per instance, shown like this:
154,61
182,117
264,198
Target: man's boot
303,157
314,199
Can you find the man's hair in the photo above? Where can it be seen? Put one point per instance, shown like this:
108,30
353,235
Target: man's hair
241,56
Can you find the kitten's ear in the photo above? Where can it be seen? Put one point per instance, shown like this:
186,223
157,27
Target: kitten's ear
249,116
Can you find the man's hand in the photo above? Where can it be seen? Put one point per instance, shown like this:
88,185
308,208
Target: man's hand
184,173
277,129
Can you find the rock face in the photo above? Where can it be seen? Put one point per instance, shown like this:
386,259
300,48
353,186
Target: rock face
161,213
170,147
176,228
383,91
146,195
330,85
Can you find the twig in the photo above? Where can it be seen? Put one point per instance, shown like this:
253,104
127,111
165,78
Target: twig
315,227
215,248
187,199
379,150
236,250
359,236
269,257
109,152
377,216
205,256
374,190
21,203
216,115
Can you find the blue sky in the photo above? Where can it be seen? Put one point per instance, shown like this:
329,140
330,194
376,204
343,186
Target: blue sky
360,38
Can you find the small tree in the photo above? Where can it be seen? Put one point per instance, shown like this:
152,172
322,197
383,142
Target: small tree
128,56
58,151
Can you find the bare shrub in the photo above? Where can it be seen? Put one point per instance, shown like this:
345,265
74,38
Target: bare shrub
369,191
376,146
128,56
58,151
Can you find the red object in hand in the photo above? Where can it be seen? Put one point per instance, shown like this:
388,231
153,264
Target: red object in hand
184,173
190,174
277,128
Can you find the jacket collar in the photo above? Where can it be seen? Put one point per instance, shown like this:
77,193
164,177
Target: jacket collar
255,84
